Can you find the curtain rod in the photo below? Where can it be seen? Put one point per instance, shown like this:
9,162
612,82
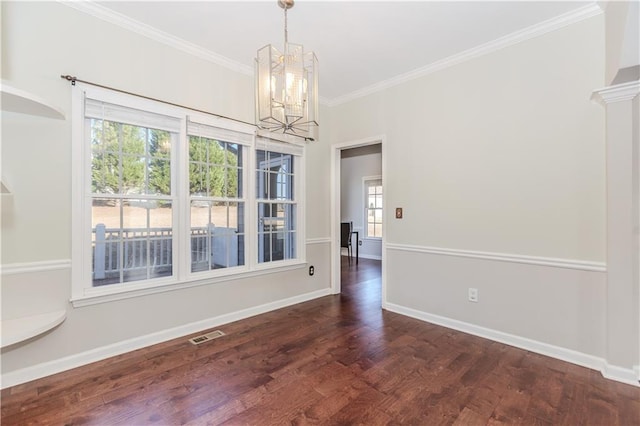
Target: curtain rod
73,81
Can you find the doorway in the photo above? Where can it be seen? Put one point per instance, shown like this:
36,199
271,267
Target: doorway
368,224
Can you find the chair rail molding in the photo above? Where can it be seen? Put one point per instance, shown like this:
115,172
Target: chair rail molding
504,257
322,240
39,266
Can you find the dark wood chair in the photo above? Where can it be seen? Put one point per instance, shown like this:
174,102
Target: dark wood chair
346,229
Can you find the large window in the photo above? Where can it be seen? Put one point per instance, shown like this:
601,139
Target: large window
216,204
373,207
276,206
131,196
161,196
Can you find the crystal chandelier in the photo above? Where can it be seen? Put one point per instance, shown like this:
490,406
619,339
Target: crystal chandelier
287,87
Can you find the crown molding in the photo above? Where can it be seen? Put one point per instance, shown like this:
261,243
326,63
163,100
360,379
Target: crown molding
618,93
525,34
148,31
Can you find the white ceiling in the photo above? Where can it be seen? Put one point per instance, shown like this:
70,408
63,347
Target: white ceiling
359,44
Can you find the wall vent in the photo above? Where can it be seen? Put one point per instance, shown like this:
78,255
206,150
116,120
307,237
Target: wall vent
206,337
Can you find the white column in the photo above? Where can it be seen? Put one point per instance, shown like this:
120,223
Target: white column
623,197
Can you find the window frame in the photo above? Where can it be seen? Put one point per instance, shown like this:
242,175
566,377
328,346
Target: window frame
368,181
269,202
83,292
296,151
137,198
202,121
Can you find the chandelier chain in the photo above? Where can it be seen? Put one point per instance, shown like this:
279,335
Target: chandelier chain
286,34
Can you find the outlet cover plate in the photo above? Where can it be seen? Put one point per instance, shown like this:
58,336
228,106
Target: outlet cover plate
473,295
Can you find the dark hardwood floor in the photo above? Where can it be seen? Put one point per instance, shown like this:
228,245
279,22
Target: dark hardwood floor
338,360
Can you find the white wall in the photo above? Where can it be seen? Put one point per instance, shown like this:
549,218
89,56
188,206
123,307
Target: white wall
40,41
622,36
502,153
318,197
355,164
499,164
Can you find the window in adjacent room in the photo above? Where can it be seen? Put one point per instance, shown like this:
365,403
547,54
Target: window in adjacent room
373,207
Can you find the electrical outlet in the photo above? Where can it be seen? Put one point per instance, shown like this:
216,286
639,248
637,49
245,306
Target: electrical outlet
473,295
312,270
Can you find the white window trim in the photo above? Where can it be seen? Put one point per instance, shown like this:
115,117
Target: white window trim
297,153
82,294
246,151
365,197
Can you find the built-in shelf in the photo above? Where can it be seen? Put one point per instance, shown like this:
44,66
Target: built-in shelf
20,329
16,100
4,188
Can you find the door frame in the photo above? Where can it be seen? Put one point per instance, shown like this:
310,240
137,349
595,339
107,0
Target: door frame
336,151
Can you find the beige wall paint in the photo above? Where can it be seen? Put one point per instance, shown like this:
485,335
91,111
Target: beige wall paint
92,327
518,299
636,273
622,37
36,155
71,42
318,158
623,337
504,153
616,19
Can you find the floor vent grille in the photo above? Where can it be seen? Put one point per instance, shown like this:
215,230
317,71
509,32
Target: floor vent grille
206,337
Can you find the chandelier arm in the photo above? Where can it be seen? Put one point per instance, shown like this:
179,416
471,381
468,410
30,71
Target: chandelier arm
277,122
305,123
294,121
272,127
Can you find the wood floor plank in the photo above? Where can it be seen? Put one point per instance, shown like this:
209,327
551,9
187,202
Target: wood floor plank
335,360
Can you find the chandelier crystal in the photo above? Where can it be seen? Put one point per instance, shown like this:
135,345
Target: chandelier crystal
287,87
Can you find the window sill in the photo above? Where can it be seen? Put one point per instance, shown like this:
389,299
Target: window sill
104,297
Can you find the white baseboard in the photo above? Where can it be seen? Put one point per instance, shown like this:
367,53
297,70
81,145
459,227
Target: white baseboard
619,374
56,366
364,256
369,256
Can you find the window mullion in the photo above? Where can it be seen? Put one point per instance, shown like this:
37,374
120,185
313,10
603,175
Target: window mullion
251,206
300,198
180,194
